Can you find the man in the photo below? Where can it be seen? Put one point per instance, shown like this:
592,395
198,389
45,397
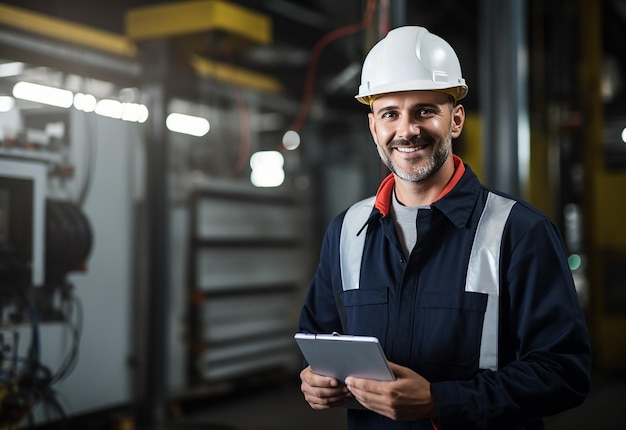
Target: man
467,289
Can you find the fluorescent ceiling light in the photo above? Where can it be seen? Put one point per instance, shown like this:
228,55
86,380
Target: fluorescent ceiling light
109,108
187,124
267,169
11,69
134,112
267,159
43,94
85,102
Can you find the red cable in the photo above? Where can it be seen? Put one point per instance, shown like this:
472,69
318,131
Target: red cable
317,50
383,24
245,136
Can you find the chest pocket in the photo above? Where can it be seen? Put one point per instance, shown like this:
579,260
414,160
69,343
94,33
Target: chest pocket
483,274
450,329
368,310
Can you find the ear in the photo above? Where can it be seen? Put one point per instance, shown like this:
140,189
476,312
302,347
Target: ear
372,124
458,119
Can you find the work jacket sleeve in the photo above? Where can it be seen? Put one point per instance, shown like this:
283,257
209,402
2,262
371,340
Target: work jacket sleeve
543,325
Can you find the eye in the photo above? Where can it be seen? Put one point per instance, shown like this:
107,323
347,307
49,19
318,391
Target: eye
426,111
389,115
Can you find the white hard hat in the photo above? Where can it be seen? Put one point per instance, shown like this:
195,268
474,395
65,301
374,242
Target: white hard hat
407,59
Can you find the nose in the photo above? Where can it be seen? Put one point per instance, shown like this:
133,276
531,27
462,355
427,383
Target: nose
407,127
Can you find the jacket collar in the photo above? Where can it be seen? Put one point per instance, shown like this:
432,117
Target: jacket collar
456,201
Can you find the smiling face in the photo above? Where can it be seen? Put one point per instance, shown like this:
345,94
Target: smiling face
413,132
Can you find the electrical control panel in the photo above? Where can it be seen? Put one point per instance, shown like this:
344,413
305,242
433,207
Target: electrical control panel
22,221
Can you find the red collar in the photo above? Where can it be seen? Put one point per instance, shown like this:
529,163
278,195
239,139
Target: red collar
383,195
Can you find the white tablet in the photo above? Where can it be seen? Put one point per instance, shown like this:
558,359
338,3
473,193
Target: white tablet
341,356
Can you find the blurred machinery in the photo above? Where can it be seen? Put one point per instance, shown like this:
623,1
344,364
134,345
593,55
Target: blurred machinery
42,240
229,324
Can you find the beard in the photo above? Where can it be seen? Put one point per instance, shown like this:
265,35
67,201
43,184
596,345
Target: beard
419,168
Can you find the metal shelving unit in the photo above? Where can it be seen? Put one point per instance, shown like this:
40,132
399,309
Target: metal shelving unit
248,265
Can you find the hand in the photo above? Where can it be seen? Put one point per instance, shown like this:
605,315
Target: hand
408,398
322,392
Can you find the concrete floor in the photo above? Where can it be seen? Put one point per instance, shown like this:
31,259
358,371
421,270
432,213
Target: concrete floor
282,407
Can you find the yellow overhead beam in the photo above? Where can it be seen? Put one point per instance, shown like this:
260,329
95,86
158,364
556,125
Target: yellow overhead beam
218,15
224,72
186,17
63,30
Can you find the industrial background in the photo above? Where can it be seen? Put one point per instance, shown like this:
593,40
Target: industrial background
168,168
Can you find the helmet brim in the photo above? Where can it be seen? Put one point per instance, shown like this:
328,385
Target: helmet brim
366,98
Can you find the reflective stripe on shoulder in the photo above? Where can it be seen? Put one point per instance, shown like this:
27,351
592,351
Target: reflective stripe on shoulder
351,245
483,272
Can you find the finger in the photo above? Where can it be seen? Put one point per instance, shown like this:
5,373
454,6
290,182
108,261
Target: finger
368,392
321,398
313,379
361,384
325,402
400,371
370,395
323,392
